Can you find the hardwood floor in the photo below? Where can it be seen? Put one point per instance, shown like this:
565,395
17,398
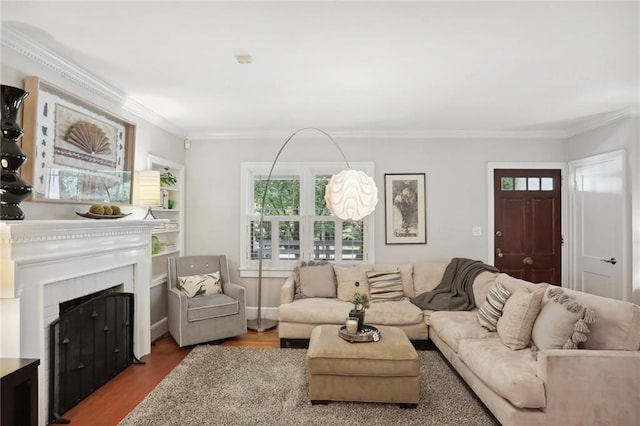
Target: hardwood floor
113,401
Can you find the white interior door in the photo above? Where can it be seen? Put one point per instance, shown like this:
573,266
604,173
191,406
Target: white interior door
597,197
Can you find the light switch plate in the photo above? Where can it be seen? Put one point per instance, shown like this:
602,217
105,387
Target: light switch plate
476,231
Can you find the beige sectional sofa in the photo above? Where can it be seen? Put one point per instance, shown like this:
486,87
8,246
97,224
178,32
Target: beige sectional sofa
598,384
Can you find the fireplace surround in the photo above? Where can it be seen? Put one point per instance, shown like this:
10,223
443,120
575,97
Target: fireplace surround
45,263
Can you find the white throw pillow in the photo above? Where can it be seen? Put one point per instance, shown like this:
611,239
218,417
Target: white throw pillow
198,285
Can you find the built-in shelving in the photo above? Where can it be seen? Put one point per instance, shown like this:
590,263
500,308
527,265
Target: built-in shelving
170,234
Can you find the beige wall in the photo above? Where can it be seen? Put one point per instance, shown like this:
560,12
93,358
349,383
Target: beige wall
456,173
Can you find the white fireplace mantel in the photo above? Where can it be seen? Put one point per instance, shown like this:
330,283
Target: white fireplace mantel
44,262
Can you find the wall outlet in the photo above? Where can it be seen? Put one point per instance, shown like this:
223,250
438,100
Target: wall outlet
476,231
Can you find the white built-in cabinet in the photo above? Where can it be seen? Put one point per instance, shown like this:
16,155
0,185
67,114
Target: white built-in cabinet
170,233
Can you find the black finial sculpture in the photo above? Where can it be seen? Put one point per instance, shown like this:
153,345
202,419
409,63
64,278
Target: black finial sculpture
12,188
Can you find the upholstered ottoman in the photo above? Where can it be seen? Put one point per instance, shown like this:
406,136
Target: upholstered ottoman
383,371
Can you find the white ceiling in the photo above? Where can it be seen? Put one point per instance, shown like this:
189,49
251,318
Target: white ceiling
369,67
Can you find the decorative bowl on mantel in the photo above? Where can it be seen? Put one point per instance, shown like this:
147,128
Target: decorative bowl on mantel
90,215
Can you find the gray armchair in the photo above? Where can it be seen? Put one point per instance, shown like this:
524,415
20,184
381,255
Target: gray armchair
208,317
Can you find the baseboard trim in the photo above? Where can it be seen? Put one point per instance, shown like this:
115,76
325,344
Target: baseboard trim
159,328
269,313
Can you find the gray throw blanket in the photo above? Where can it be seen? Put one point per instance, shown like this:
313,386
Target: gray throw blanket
455,291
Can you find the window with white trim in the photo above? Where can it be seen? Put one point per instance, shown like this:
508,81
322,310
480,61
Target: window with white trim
297,224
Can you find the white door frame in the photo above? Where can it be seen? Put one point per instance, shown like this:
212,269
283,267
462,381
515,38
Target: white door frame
564,213
626,226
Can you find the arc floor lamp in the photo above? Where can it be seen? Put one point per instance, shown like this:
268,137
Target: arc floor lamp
350,195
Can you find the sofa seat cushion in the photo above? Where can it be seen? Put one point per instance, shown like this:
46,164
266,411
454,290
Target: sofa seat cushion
315,311
454,326
511,374
397,312
334,311
211,306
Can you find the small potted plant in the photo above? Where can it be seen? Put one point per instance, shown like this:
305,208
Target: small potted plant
167,178
360,303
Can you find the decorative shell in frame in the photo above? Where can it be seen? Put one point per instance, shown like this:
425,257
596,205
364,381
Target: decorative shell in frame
89,137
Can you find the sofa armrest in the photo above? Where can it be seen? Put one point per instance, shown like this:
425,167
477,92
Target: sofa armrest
287,291
591,386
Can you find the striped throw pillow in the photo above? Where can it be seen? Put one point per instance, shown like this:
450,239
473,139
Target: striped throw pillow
384,286
491,309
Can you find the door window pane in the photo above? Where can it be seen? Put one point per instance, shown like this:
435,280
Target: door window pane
352,240
289,235
547,184
534,184
520,184
324,240
506,183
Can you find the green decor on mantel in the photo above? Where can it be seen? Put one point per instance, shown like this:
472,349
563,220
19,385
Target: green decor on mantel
167,178
360,304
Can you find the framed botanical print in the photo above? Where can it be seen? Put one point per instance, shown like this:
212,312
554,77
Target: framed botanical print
77,152
405,208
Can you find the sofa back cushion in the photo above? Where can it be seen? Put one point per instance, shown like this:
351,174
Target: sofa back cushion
617,326
406,275
482,285
427,275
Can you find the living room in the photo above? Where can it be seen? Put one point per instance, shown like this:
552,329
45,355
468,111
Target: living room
489,87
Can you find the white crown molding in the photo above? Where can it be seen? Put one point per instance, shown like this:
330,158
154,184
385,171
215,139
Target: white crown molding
387,134
25,46
603,120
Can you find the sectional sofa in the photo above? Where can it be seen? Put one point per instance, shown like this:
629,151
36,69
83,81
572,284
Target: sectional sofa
520,382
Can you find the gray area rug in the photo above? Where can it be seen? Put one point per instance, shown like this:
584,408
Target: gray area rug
239,386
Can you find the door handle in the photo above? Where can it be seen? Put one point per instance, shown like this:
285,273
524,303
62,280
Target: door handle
499,252
612,261
527,261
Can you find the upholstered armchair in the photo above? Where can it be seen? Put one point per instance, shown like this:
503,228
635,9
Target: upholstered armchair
208,317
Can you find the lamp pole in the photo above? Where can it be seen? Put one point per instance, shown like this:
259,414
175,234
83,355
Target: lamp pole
263,324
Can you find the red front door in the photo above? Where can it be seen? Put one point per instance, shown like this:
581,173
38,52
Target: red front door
528,236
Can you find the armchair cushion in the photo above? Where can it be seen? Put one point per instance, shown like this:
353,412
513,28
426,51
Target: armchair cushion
201,284
211,306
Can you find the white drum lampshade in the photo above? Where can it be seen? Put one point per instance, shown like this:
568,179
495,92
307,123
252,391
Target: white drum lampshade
351,195
146,190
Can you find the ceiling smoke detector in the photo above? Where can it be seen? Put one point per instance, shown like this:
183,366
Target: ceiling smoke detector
243,58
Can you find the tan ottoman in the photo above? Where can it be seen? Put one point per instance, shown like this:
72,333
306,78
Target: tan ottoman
383,371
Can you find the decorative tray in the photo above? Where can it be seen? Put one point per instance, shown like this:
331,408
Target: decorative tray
90,215
368,333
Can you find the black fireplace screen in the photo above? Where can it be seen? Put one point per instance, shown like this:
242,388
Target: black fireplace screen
89,345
